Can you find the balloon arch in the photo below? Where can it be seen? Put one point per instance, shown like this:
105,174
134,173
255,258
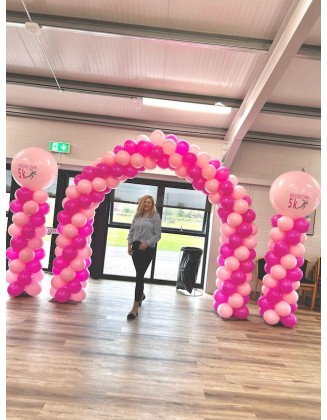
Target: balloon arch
34,169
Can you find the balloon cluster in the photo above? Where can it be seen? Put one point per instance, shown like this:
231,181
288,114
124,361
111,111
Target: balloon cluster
278,302
33,169
236,253
294,195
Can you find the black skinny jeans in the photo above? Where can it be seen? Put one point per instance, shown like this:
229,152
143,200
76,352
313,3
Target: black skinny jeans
141,260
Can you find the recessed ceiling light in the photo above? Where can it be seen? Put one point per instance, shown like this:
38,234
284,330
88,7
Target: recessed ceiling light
217,108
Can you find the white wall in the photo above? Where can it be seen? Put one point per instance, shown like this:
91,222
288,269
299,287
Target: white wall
256,166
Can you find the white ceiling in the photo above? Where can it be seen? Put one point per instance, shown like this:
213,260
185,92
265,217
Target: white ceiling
94,61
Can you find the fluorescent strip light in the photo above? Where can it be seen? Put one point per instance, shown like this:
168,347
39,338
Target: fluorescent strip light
16,24
218,108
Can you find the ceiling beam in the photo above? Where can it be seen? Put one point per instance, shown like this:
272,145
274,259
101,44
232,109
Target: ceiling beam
177,129
296,26
129,92
174,35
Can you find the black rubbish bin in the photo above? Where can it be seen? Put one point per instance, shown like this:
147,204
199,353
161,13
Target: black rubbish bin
188,268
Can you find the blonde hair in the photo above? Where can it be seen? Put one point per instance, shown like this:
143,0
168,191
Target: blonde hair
140,207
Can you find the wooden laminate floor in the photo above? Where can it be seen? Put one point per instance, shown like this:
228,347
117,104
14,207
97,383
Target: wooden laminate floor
176,360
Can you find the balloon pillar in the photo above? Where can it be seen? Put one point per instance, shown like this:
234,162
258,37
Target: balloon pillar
33,169
294,195
73,252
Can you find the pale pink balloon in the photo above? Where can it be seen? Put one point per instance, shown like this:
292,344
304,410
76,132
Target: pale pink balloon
269,281
85,252
35,243
123,157
175,160
67,274
234,219
295,194
296,285
203,159
303,237
225,310
71,192
188,179
34,168
235,300
89,213
181,172
271,317
84,186
10,276
211,186
223,239
219,283
30,207
282,308
79,296
62,241
291,297
40,231
297,250
223,274
33,289
112,182
109,158
20,218
14,230
238,192
240,206
157,137
97,161
26,255
69,231
250,242
38,276
16,266
84,284
149,163
249,276
285,223
64,201
232,263
208,172
53,291
79,220
137,160
264,289
168,146
271,245
214,198
57,282
99,184
227,230
276,234
78,264
233,179
58,251
254,228
194,148
40,196
288,261
278,272
242,253
244,289
143,137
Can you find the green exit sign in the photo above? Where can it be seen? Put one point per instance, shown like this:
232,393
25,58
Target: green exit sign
59,147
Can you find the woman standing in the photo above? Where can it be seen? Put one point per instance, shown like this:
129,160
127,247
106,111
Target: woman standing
143,236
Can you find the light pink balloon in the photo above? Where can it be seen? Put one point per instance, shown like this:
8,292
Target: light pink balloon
225,310
53,291
79,296
99,184
89,213
208,172
20,219
278,272
181,172
30,207
69,231
254,228
249,276
40,196
38,276
10,276
234,219
79,220
35,243
34,168
295,194
85,252
269,281
219,283
282,308
149,163
62,241
244,289
232,263
84,186
203,159
112,182
109,158
296,285
297,250
137,160
233,179
67,274
194,148
57,282
71,192
223,274
26,255
78,264
303,237
250,242
240,206
142,137
58,251
157,137
16,266
238,192
288,261
97,161
235,300
33,289
40,231
211,186
291,297
223,239
175,160
264,289
242,253
123,157
271,317
285,223
227,230
214,198
14,230
276,234
168,146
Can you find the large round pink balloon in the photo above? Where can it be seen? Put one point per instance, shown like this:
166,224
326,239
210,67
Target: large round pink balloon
34,168
295,194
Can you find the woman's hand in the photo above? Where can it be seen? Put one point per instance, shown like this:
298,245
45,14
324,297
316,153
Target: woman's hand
143,246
